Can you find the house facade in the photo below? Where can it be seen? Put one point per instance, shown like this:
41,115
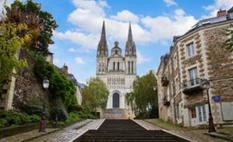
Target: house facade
198,54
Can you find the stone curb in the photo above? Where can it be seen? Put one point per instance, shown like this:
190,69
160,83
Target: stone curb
84,131
167,131
221,136
59,129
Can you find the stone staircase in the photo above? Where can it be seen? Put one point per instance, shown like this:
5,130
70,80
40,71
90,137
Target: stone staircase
126,131
115,113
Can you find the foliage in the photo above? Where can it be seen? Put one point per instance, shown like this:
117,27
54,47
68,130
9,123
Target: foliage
229,41
73,116
9,118
59,85
95,94
41,23
143,99
10,41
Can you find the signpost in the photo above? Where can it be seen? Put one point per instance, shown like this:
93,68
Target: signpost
216,99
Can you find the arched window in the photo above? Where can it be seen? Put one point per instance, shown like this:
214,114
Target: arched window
118,66
116,100
128,66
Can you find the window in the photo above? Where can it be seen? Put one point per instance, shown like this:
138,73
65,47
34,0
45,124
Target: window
118,66
190,49
193,112
193,76
113,65
128,66
132,69
177,111
202,115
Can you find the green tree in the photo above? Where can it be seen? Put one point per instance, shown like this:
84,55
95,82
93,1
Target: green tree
229,41
144,96
95,94
41,23
10,42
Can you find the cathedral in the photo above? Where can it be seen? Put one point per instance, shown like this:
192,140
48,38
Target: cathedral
118,72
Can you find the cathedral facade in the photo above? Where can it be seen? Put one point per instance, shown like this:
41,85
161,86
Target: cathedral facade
117,71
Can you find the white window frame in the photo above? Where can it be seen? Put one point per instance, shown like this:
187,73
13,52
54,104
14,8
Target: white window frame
195,82
202,114
190,49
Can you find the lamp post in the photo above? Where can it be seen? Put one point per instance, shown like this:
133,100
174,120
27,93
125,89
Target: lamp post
206,85
42,127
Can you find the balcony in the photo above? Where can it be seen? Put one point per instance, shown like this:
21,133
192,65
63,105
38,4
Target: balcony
192,86
164,81
166,102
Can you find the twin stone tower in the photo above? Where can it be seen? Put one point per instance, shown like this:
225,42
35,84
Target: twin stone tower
118,72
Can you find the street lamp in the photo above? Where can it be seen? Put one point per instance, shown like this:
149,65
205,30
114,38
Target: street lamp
42,127
206,85
45,83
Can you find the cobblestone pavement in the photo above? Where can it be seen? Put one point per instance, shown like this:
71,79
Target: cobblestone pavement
24,136
69,134
196,135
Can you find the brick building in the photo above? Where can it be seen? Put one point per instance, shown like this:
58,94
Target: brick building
196,55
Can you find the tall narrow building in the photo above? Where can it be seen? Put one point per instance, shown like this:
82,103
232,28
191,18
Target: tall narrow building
118,72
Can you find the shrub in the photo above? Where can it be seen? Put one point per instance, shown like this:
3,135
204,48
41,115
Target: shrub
11,118
60,86
75,108
73,116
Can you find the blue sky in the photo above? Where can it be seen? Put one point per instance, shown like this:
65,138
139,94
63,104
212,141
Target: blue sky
154,23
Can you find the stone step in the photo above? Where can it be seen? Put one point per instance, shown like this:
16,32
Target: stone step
126,131
115,113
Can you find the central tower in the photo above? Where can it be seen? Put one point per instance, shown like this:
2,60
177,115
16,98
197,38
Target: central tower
118,71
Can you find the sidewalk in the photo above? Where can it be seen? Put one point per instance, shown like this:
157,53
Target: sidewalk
70,133
31,135
196,135
28,135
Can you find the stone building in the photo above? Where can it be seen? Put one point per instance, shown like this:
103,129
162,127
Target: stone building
118,72
71,77
196,55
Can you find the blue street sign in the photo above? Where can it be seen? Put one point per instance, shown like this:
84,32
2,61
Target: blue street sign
216,98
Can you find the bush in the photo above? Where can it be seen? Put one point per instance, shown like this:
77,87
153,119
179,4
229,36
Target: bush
60,86
75,108
58,114
11,118
73,116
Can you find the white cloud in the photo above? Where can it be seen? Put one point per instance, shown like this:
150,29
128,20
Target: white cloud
126,16
141,58
85,40
164,27
73,50
79,60
218,4
170,2
89,15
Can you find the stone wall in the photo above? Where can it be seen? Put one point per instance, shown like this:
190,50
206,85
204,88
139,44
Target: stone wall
28,90
220,64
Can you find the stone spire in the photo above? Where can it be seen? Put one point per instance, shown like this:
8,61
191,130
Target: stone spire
130,49
102,46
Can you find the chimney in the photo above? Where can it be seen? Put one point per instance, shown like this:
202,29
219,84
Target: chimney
221,13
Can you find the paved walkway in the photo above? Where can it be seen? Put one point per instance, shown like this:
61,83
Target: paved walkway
192,135
23,136
71,133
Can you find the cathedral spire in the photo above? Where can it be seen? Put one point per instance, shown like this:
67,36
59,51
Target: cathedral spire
130,36
102,46
130,49
103,33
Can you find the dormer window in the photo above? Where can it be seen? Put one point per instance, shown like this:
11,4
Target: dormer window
190,49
